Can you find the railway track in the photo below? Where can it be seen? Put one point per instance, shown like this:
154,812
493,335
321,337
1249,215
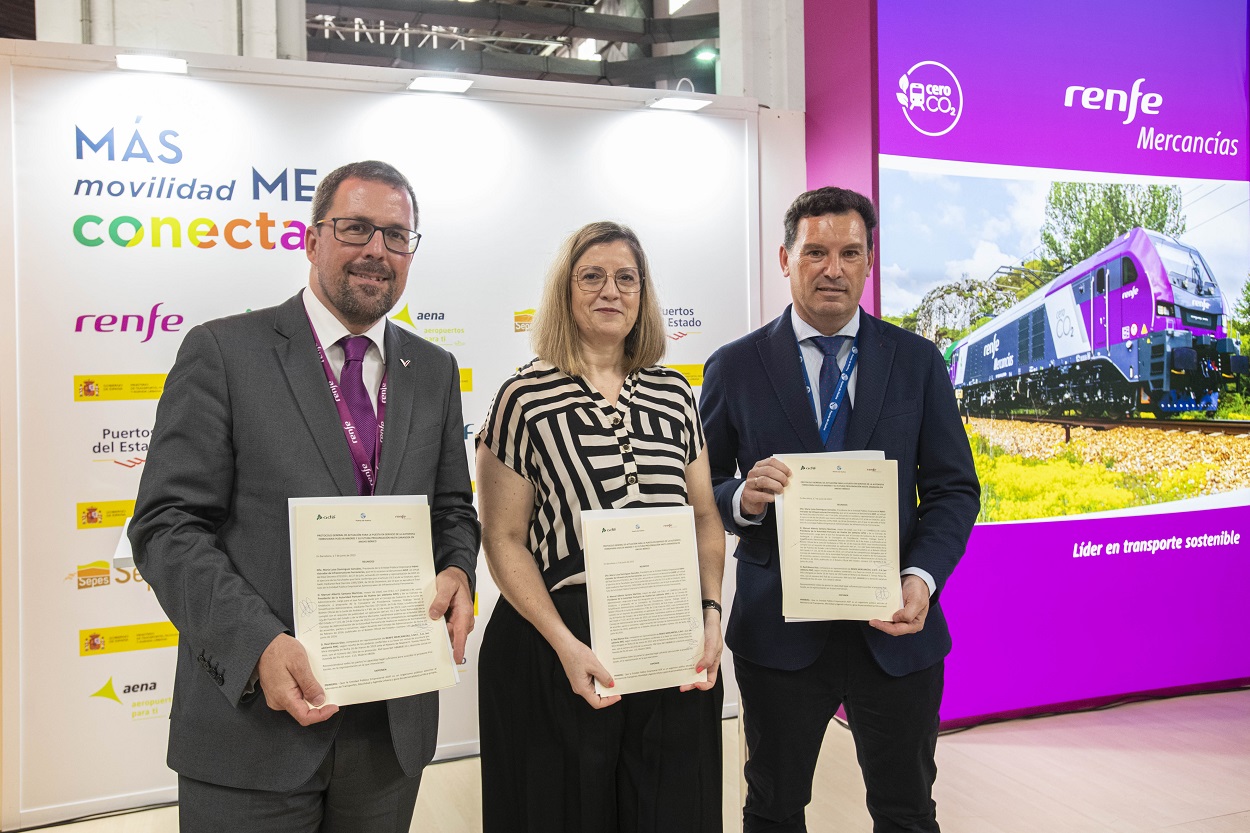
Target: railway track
1230,427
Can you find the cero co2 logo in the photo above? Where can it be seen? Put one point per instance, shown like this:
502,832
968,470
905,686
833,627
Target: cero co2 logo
931,97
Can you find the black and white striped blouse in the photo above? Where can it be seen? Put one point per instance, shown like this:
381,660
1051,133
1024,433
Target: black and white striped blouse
579,452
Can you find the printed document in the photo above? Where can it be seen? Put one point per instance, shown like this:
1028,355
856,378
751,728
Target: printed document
362,577
837,532
642,580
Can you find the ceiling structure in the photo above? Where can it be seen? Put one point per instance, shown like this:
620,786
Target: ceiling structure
538,39
17,19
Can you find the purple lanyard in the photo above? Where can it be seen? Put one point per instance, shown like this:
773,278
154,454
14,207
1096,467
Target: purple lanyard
364,464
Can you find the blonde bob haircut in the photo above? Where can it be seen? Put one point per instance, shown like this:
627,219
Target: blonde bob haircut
555,338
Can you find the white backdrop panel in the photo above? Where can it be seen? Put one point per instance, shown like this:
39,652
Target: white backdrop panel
500,183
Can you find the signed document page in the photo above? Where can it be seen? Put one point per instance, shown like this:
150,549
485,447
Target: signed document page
837,532
642,580
362,577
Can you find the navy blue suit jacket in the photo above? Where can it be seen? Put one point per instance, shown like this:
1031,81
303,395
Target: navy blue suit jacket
755,404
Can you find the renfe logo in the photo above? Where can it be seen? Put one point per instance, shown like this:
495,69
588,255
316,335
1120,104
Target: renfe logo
931,97
1096,98
109,323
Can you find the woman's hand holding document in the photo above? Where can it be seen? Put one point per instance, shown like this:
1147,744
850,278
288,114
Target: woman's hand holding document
837,532
362,577
642,577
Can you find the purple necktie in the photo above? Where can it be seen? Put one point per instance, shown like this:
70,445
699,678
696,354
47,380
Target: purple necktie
359,403
830,345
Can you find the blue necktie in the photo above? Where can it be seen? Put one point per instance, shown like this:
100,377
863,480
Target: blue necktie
829,345
359,403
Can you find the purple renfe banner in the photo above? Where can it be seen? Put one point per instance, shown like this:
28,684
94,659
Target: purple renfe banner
1143,87
1056,612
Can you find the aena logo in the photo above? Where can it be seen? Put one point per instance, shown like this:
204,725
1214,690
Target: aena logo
931,97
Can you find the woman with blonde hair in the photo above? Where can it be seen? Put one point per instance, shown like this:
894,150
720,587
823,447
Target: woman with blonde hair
594,422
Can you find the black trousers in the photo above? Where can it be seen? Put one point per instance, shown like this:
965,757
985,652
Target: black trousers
359,788
552,764
893,720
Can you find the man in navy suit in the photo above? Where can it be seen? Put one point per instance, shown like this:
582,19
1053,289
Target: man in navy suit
777,391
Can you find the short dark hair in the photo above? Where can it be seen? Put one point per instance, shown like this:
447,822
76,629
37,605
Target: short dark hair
829,200
370,170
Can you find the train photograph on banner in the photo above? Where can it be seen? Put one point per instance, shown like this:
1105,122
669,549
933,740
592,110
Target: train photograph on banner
1137,328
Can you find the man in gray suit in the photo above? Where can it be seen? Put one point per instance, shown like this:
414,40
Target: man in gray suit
252,415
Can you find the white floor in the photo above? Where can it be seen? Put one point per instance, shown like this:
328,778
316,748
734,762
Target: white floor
1180,765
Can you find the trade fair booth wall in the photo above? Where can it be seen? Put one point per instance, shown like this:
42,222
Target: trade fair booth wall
136,206
1030,161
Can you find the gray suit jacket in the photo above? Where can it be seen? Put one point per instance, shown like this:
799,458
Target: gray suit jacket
245,422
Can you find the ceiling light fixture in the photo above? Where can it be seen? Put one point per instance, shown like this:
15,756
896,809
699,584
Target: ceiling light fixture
440,84
680,102
152,63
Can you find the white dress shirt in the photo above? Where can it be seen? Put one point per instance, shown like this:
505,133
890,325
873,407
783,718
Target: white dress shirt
330,330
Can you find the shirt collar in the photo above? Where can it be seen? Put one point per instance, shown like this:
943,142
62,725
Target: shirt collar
329,329
804,331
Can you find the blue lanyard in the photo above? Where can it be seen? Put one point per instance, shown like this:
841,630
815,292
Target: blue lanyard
839,392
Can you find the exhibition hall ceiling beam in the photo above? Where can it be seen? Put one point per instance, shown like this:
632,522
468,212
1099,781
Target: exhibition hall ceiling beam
551,22
634,72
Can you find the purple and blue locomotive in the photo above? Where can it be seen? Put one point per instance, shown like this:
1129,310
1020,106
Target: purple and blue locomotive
1136,328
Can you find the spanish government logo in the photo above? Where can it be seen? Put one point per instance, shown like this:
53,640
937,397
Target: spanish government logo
88,389
931,97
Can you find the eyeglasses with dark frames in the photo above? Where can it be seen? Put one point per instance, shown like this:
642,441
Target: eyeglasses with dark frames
592,279
356,232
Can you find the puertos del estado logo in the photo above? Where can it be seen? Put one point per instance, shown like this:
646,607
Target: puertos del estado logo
931,97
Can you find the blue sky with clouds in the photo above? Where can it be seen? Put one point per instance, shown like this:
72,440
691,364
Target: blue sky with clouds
938,225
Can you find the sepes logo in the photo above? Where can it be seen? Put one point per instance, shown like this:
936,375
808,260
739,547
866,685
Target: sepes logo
100,574
522,320
95,574
931,97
